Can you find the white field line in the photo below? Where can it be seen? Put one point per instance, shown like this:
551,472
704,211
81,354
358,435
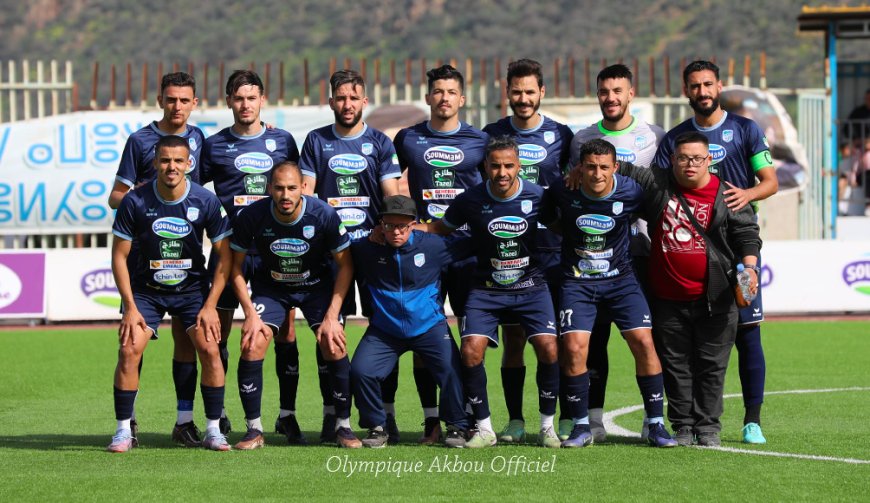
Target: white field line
614,429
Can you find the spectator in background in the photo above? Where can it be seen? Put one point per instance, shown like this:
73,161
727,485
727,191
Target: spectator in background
857,125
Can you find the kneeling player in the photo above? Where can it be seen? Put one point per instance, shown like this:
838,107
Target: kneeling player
167,218
595,221
294,235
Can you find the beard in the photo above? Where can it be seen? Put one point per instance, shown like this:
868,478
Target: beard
535,107
706,112
618,115
339,119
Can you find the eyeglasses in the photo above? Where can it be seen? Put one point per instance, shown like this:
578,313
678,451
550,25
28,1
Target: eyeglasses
399,227
684,160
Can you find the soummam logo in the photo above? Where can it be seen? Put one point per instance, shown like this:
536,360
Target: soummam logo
857,276
99,287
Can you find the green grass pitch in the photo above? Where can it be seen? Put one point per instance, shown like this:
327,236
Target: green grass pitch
56,418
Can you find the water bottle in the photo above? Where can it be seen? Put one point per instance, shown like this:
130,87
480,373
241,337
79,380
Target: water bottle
744,281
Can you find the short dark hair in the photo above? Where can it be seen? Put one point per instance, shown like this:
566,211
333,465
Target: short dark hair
171,141
690,137
525,68
699,66
177,79
292,165
342,77
241,78
617,71
445,72
597,147
503,142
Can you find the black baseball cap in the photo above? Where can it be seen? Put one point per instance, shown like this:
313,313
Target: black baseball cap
399,205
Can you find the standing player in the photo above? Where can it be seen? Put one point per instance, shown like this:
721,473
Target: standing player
294,236
543,146
444,158
239,160
635,142
167,218
740,155
598,274
502,216
352,167
177,98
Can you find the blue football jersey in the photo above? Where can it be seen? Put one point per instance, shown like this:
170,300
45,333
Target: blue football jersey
595,231
543,157
348,172
137,160
241,166
503,235
169,234
441,165
295,255
737,145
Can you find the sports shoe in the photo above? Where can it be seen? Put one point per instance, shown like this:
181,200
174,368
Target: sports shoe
393,435
659,437
134,430
709,439
376,439
580,436
431,431
346,438
327,431
215,440
548,438
225,425
456,437
514,432
565,427
253,439
121,442
186,434
752,434
289,427
596,425
684,436
481,438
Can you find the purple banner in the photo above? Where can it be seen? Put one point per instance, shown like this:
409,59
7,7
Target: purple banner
22,285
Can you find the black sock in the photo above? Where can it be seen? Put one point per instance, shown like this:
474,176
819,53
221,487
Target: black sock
225,355
390,385
753,414
251,387
547,377
212,401
652,391
323,378
339,373
577,395
124,401
564,409
474,379
513,380
427,388
184,376
287,369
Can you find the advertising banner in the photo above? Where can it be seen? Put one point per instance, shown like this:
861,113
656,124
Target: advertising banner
22,285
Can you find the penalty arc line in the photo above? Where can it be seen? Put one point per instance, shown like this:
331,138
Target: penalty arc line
614,429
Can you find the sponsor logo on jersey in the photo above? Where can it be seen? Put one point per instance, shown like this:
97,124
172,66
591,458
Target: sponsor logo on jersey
243,200
99,287
289,247
347,185
443,156
594,275
625,155
857,276
348,202
438,194
593,266
595,224
508,227
509,249
617,207
192,214
290,265
341,229
639,142
308,231
171,227
170,278
171,264
764,140
359,234
170,248
191,142
532,154
255,184
530,173
502,265
270,145
395,159
594,254
526,207
594,242
253,163
347,164
507,277
549,137
367,148
727,135
352,216
436,210
419,260
223,212
717,152
443,178
290,278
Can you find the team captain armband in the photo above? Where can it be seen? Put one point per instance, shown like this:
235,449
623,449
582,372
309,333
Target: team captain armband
761,160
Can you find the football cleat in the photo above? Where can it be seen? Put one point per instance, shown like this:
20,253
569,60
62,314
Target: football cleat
225,425
548,438
514,432
134,430
481,438
376,439
121,442
596,425
580,436
345,437
659,437
253,439
456,437
327,431
186,434
393,435
431,431
289,427
752,434
215,440
565,427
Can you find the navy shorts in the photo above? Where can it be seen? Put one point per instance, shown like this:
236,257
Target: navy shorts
485,311
622,297
754,312
272,304
552,267
154,306
228,300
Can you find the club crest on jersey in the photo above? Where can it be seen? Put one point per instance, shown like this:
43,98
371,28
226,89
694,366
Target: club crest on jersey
367,148
443,156
617,207
308,231
171,227
508,227
727,135
192,214
639,142
595,224
270,145
717,153
253,163
549,137
531,154
419,259
191,142
289,247
526,207
347,164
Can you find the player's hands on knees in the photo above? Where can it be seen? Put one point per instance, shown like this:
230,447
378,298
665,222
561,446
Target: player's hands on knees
572,179
331,332
252,328
130,322
208,321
